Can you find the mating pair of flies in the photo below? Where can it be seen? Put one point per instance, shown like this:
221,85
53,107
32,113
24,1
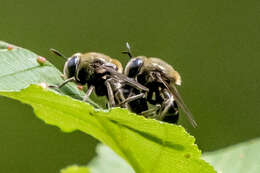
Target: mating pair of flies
146,87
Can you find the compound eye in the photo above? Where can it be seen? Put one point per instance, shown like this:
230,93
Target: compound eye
71,66
133,67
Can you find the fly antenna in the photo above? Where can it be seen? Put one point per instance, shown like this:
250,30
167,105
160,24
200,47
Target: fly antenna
128,52
58,53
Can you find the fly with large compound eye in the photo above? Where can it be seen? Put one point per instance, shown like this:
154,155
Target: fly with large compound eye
100,73
160,78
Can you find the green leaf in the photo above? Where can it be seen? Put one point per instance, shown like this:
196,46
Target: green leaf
19,68
147,145
107,161
238,158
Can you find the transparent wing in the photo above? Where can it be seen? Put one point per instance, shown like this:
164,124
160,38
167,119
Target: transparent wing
126,79
181,103
179,100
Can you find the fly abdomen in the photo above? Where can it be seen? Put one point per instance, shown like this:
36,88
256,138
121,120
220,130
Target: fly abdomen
172,115
137,106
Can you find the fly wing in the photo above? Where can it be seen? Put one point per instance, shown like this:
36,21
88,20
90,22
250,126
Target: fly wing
181,103
126,79
172,88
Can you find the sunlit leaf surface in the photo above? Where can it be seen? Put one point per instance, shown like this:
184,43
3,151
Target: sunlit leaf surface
148,145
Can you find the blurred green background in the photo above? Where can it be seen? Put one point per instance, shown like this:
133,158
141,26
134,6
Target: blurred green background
215,45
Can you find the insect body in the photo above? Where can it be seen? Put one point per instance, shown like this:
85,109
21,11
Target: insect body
160,78
100,73
135,99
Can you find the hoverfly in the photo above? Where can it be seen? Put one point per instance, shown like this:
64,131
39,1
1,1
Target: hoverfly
100,73
161,80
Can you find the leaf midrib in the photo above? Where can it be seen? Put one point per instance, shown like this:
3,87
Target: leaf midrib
24,70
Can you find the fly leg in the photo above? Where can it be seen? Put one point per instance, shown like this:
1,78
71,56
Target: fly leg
63,83
169,110
110,94
121,99
88,93
169,113
86,97
151,113
132,98
166,105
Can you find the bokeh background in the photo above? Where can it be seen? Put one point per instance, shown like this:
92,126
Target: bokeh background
215,45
